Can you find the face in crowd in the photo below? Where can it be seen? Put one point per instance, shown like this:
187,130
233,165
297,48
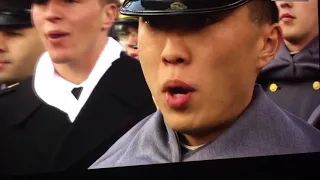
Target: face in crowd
299,21
131,41
73,31
20,48
201,74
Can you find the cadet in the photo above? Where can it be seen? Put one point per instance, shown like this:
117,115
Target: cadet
85,94
292,79
20,45
127,26
200,59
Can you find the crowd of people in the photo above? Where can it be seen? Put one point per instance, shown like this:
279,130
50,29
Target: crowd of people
106,83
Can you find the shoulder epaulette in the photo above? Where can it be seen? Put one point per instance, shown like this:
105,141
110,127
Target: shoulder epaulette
8,89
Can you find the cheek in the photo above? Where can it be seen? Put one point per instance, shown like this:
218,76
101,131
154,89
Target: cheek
150,59
150,47
24,45
37,18
226,58
90,20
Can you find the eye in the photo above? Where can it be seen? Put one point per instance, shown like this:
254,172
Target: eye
71,1
12,33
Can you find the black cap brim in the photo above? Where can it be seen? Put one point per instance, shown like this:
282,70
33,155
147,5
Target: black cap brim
8,18
154,7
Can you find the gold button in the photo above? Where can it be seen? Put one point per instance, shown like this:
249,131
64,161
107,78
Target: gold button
273,87
316,85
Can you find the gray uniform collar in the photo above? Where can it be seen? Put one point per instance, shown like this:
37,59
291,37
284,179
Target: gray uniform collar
262,129
304,64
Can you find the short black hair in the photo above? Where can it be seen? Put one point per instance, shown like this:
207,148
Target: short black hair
263,11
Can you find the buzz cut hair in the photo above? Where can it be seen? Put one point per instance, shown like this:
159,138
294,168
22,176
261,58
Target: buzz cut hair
263,11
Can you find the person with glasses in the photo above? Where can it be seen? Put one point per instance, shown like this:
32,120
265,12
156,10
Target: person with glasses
127,28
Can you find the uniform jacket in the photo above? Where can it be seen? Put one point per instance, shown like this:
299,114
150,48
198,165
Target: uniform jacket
293,83
315,118
262,129
36,137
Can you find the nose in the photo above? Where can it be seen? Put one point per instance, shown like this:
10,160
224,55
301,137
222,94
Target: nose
175,50
3,47
284,4
53,11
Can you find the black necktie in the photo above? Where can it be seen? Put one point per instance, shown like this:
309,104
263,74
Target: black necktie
77,91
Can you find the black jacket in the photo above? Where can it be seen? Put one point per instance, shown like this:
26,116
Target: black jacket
36,137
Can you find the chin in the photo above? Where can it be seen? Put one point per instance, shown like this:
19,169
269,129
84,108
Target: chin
178,122
58,58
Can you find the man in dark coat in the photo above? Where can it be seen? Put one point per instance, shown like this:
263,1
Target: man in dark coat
200,59
20,45
292,79
85,93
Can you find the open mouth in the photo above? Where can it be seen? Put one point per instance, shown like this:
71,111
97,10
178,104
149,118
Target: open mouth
54,35
178,94
179,91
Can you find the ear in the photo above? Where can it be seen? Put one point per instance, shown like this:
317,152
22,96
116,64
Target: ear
110,13
271,44
31,14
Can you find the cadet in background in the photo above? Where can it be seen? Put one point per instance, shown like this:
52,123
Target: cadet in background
20,44
292,79
127,28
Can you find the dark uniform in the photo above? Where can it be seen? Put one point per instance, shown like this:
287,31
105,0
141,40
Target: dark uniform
36,137
293,81
262,129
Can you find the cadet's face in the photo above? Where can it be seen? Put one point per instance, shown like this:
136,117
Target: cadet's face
19,51
69,29
131,42
299,20
213,68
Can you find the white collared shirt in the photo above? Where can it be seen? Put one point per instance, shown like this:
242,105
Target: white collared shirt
56,91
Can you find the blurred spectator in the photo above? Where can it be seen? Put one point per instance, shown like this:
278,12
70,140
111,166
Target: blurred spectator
127,28
292,79
20,44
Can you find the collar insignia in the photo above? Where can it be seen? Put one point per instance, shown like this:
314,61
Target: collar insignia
178,6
